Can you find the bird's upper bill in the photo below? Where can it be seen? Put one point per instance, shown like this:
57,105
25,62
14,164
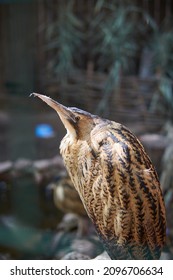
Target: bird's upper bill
66,115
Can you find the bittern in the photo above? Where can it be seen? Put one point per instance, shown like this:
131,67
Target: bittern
116,181
67,199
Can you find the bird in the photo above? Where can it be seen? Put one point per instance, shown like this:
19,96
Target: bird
67,199
116,181
65,196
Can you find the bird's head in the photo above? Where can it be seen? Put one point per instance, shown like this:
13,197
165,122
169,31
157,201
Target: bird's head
78,123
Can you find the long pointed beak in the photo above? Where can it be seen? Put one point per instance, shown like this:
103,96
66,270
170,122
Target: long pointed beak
63,112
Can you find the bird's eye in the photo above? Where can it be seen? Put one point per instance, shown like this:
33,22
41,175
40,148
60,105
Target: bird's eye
77,118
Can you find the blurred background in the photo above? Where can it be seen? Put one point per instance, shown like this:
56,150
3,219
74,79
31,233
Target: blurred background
112,58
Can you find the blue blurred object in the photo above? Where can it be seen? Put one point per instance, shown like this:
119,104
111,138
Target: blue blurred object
44,131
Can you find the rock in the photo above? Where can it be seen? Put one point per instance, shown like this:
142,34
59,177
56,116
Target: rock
5,166
41,164
103,256
69,222
85,247
22,164
75,256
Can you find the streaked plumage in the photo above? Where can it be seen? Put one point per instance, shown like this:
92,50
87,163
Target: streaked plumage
116,181
66,198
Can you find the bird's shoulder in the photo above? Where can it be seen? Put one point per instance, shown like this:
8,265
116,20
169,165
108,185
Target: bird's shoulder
110,131
115,136
111,139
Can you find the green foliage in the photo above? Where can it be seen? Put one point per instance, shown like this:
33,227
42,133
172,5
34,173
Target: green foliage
64,40
109,29
112,35
162,48
118,31
108,35
114,41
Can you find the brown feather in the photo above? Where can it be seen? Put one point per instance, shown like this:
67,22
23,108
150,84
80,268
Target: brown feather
117,184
